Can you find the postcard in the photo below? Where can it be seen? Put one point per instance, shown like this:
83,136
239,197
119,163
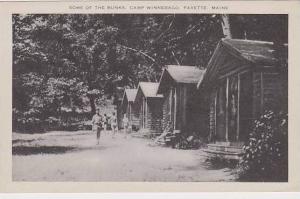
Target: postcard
141,96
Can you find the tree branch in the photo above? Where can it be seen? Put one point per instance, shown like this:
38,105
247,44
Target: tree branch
139,51
190,30
164,32
178,63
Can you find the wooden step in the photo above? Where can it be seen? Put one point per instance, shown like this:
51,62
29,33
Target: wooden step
217,147
224,150
223,154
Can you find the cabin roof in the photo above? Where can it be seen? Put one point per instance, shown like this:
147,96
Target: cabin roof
180,74
185,74
260,53
148,90
129,95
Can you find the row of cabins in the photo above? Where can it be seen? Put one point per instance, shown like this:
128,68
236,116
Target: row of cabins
220,103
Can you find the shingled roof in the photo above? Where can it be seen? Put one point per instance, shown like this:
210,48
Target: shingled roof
259,53
180,74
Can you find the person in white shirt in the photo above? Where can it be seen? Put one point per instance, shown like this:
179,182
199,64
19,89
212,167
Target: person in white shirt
97,124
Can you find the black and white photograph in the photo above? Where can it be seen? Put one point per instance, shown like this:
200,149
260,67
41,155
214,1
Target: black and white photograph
150,97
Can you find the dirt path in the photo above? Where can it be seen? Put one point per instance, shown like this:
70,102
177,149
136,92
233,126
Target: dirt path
74,156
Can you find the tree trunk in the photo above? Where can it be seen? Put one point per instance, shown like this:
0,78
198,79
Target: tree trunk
92,104
226,26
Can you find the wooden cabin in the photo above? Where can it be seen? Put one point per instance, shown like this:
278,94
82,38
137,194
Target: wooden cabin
242,80
181,103
128,108
149,105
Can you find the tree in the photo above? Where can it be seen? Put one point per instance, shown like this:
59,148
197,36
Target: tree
98,53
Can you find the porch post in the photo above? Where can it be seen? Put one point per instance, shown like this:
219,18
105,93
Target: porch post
129,118
238,110
227,105
215,115
261,93
175,108
143,113
146,110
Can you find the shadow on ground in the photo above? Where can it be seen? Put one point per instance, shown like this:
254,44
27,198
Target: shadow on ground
30,150
17,141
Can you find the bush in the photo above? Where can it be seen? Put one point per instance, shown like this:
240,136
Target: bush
187,141
36,121
27,121
266,152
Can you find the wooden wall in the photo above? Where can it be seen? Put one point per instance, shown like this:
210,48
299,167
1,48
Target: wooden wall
154,115
266,93
190,114
257,94
139,107
273,92
212,115
166,107
134,117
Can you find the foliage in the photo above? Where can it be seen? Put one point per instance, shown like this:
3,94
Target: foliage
45,99
59,59
266,153
188,142
28,121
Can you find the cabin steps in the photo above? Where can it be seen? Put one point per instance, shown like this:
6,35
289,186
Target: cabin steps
225,151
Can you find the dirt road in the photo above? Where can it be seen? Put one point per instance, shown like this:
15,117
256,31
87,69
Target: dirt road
74,156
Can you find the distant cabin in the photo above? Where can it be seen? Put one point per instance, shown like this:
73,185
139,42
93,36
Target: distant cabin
242,80
128,107
149,106
182,104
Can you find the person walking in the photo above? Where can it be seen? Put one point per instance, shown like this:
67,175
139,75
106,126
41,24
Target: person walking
109,128
114,124
126,125
97,124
